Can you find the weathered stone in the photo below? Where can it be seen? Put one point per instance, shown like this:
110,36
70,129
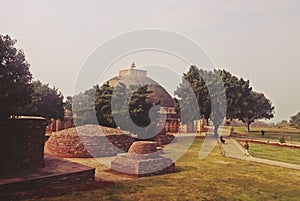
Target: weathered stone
143,159
92,141
143,147
22,144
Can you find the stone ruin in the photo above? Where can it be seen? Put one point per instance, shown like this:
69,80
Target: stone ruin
82,141
143,159
100,141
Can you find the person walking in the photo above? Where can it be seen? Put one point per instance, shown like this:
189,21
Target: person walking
246,148
222,139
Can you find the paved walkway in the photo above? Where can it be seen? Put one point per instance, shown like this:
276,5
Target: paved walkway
233,149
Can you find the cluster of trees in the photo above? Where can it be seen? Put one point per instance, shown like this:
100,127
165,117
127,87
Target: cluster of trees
210,87
122,106
295,120
19,94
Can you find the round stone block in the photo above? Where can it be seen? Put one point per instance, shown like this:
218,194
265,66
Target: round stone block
142,147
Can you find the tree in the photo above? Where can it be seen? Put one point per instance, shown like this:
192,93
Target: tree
84,107
207,87
236,91
220,94
46,102
217,98
132,112
103,105
177,107
68,107
257,106
295,120
192,97
123,106
285,123
15,79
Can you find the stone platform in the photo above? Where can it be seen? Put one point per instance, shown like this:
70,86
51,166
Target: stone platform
143,159
57,172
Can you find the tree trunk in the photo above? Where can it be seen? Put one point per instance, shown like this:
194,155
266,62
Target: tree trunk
207,122
248,128
216,134
216,128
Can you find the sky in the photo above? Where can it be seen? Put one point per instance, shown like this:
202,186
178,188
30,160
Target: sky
256,40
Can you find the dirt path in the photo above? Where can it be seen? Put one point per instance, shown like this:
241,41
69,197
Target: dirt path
233,149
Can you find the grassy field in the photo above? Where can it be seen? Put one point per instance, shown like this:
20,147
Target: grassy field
271,133
284,154
214,178
272,130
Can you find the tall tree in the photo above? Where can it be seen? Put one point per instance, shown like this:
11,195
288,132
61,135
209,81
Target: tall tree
187,102
237,91
193,89
217,98
238,101
132,112
68,107
84,107
103,105
256,107
295,120
207,86
15,79
46,101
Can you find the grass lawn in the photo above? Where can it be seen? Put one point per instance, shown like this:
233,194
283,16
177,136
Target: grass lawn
243,129
214,178
284,154
271,133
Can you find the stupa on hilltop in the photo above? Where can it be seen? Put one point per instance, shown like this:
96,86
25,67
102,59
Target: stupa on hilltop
132,75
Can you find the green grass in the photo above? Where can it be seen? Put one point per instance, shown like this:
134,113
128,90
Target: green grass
273,129
284,154
214,178
271,133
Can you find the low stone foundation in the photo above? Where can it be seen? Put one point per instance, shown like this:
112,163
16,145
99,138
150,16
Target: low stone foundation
143,159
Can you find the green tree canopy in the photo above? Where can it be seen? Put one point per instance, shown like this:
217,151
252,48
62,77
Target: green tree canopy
46,101
208,89
220,94
103,105
132,112
83,107
68,107
295,120
257,106
237,91
15,79
95,106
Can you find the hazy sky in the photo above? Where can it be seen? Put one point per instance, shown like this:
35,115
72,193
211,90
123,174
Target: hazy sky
256,40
